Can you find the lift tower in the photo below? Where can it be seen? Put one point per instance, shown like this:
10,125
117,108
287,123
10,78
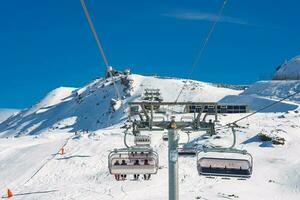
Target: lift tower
197,124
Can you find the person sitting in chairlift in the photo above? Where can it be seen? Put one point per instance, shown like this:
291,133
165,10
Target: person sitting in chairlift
117,176
146,176
123,176
225,169
136,176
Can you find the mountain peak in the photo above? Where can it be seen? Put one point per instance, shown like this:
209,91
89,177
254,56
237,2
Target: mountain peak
290,70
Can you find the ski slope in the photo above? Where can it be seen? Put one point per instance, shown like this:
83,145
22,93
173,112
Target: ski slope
82,172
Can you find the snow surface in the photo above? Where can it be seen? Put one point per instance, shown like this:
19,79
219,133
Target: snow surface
290,70
6,113
31,167
275,89
263,93
82,172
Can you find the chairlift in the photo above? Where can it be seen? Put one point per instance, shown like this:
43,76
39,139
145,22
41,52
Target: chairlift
142,140
227,162
187,149
133,160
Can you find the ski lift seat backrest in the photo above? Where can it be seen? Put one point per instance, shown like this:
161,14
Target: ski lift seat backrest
238,164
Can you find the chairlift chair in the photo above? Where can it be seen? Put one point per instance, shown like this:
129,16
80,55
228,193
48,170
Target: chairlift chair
227,162
133,160
187,149
142,140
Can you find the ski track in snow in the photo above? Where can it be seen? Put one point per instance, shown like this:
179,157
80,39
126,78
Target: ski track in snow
82,172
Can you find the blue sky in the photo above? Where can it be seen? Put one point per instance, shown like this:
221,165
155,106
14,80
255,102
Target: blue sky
47,44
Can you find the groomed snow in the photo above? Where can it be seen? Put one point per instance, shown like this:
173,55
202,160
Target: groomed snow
82,172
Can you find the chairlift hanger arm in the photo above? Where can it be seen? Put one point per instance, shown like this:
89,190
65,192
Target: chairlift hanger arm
188,138
125,139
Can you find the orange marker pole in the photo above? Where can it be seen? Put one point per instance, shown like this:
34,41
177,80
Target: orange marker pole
9,193
62,151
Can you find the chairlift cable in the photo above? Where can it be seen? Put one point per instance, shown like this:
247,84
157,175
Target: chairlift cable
100,47
205,43
48,160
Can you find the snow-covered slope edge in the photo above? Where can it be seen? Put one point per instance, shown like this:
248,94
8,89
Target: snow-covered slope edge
275,89
89,107
264,93
290,70
6,113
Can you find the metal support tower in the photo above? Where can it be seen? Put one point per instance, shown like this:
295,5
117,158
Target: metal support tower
173,161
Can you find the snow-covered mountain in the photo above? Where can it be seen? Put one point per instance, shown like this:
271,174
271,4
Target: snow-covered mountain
263,93
290,70
89,108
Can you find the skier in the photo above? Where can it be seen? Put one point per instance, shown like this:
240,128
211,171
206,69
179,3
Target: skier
123,176
136,176
146,176
117,176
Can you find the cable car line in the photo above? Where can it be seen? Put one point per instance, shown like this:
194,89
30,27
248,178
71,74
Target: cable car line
100,47
205,43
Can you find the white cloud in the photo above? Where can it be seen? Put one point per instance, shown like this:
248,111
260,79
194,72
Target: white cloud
202,16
